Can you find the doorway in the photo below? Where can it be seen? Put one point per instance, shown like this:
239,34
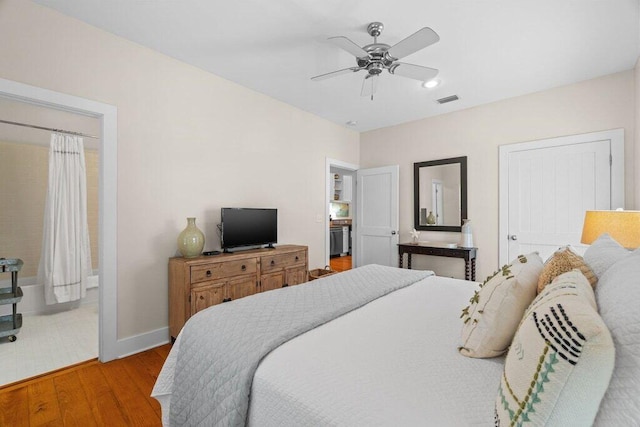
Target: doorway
341,208
546,186
107,258
58,335
374,212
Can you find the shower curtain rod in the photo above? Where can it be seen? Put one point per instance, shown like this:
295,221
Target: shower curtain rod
50,129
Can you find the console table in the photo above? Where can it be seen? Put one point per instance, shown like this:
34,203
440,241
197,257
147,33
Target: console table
468,254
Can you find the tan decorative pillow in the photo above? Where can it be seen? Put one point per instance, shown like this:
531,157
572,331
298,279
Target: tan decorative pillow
560,362
563,261
492,318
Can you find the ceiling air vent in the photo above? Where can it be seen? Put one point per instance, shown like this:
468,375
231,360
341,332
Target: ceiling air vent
447,99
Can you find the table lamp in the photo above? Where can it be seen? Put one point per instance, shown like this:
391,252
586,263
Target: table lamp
622,226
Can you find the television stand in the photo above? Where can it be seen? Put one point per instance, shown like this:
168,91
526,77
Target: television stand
198,283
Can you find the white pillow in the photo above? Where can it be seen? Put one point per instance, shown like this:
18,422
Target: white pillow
560,361
618,296
492,318
603,253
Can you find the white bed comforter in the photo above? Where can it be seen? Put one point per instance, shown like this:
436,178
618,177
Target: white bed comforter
393,362
210,371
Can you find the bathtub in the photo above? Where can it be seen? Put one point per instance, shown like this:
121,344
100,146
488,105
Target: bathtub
33,300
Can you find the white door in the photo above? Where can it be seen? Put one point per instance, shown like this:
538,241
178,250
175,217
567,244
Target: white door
549,190
377,216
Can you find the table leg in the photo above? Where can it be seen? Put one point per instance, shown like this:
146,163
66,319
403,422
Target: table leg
400,256
473,269
409,261
467,270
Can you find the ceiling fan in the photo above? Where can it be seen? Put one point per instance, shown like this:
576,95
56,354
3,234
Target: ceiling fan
376,57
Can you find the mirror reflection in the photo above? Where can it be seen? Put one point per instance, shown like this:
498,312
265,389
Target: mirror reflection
440,198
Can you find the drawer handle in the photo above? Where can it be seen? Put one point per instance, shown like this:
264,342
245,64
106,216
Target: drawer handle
226,300
208,273
285,285
201,297
297,258
244,267
273,262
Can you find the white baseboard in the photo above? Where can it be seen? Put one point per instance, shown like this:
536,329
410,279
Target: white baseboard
139,343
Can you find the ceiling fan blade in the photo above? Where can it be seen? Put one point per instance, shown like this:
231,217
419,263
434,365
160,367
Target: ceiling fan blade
418,40
412,71
336,73
346,44
369,85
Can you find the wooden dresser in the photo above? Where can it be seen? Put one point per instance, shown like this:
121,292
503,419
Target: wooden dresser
198,283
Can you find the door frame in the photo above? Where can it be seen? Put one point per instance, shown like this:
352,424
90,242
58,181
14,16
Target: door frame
329,197
107,193
616,136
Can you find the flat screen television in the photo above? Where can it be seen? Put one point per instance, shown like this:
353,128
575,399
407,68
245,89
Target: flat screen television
248,227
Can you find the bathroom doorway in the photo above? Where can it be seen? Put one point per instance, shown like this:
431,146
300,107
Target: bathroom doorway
63,334
106,115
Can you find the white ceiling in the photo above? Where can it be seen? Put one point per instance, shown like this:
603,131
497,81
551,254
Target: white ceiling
488,50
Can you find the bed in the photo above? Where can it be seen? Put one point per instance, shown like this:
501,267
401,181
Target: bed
393,360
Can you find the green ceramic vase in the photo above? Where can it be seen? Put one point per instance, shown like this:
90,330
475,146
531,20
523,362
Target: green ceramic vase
431,219
191,240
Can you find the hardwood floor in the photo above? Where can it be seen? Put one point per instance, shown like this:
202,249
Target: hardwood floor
88,394
341,263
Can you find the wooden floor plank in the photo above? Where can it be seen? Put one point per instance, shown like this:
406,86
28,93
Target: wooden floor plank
48,375
163,351
110,394
144,369
105,407
75,408
15,408
135,406
342,263
43,403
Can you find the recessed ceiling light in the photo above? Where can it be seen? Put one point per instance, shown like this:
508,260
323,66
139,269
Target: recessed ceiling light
352,123
431,83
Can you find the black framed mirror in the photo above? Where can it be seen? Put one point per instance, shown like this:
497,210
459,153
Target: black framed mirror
440,194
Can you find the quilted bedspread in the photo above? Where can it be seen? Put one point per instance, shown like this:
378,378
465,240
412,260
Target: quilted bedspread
220,348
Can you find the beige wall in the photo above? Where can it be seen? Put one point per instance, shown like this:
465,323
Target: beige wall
24,175
188,143
594,105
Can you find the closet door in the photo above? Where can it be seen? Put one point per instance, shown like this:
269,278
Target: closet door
548,188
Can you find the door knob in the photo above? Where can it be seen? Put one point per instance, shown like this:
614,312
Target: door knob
513,237
393,233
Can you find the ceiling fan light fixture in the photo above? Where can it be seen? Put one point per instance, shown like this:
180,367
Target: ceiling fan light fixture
376,57
431,83
351,123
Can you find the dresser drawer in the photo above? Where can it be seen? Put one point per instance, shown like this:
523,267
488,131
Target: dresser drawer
277,262
220,270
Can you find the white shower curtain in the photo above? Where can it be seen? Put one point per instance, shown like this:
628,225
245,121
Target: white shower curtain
65,261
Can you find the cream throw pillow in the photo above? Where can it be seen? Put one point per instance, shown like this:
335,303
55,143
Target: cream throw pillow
561,359
492,318
562,261
604,253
